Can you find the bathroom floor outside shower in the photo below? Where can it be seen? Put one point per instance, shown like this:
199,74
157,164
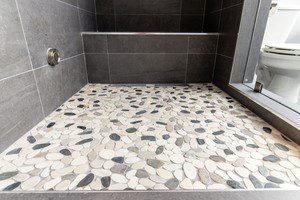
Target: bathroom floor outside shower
150,138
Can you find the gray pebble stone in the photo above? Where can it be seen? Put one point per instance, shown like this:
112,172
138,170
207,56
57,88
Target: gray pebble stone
172,183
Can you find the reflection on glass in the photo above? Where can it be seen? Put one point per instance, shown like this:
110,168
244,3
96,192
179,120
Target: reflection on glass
278,67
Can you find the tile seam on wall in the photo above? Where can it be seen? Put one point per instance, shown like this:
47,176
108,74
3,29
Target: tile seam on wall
219,10
216,54
32,70
82,44
204,12
187,58
108,65
29,56
96,17
225,56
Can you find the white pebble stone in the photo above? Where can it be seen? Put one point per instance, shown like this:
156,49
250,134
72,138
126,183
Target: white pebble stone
189,170
225,166
107,154
210,165
179,174
294,160
216,186
118,186
54,156
199,186
177,158
79,161
131,174
198,164
119,178
133,182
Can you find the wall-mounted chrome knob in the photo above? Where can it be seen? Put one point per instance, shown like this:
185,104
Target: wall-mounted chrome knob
53,57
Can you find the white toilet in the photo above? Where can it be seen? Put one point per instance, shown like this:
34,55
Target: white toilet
279,64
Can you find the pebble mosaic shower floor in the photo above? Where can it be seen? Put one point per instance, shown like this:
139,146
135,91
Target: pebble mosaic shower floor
150,138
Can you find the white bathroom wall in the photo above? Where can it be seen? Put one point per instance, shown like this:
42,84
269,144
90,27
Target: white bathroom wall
284,25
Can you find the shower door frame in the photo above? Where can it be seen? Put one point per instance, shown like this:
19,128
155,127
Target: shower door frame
253,24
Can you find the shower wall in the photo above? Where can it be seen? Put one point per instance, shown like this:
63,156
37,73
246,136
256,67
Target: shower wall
150,15
29,88
150,58
224,16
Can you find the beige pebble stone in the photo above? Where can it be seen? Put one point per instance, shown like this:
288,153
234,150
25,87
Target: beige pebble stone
30,183
164,173
186,184
147,183
63,185
241,171
52,183
198,185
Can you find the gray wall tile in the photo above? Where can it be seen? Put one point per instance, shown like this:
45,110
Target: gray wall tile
49,82
46,24
87,21
88,5
200,68
20,108
97,67
50,24
147,44
148,23
150,15
147,68
204,44
126,7
14,57
74,76
149,58
95,43
193,7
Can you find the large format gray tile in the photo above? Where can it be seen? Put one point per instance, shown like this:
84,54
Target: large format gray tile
87,21
57,84
49,82
97,68
14,57
88,5
222,71
128,7
203,44
95,43
200,68
147,44
74,76
193,7
50,24
104,7
147,68
20,108
148,23
213,6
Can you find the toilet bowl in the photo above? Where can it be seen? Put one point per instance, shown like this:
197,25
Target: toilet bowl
279,70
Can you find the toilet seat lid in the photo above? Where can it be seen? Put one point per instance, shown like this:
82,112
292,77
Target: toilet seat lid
283,48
